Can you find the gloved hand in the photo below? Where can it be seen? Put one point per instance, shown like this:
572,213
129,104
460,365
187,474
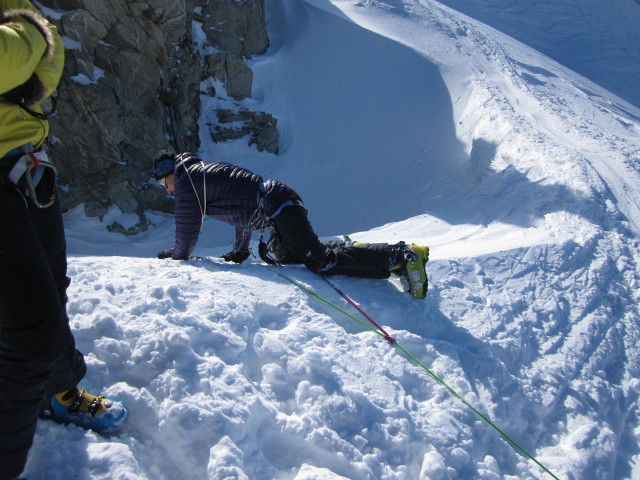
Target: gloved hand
236,257
165,253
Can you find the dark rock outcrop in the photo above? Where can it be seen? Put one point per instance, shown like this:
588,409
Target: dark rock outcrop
132,86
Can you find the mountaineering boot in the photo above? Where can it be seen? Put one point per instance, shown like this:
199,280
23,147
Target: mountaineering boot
416,272
409,264
90,412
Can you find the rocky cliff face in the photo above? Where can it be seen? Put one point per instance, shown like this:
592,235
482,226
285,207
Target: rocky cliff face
132,86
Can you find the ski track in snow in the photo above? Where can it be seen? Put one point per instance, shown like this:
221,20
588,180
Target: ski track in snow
532,316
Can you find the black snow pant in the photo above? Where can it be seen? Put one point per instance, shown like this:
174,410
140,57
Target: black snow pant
294,241
37,350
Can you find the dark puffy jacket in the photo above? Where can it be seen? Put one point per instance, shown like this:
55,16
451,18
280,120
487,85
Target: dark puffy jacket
225,192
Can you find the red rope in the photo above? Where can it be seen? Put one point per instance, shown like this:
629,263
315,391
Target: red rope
387,337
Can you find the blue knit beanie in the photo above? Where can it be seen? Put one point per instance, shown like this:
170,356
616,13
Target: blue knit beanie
163,164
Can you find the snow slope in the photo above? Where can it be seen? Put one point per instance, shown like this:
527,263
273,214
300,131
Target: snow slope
402,120
599,40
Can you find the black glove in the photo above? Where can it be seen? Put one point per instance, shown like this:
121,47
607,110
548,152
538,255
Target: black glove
236,257
168,253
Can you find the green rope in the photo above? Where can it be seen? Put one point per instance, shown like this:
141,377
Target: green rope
431,374
314,294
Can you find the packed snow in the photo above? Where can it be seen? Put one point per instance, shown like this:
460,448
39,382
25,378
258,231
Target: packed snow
401,121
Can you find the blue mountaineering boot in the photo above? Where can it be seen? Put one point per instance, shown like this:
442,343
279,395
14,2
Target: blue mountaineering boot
416,273
90,412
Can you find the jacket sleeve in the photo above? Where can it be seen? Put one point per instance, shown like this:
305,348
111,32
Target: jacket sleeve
243,238
188,219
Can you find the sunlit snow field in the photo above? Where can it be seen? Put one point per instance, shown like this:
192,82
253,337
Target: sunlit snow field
400,121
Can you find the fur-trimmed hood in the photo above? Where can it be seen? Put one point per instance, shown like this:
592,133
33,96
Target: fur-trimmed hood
31,65
34,19
33,90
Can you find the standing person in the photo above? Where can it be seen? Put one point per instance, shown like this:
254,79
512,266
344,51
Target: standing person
245,200
40,367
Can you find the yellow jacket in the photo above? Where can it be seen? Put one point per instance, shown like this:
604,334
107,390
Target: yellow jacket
24,50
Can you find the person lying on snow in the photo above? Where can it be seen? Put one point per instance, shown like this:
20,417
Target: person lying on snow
250,203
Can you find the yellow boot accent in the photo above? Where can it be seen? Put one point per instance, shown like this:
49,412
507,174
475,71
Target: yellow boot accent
416,272
80,400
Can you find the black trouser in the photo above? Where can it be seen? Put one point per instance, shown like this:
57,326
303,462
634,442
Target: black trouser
294,241
37,351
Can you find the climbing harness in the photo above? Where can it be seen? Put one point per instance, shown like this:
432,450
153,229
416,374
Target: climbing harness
378,330
261,221
29,170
